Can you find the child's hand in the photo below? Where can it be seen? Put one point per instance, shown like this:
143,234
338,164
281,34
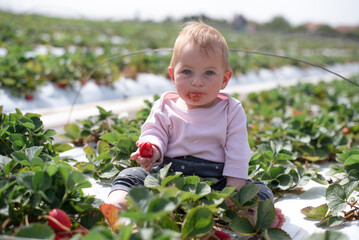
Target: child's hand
146,161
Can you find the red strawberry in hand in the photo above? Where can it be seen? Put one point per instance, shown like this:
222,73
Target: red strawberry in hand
146,150
59,220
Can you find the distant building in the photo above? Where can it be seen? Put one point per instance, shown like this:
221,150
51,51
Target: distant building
313,27
240,23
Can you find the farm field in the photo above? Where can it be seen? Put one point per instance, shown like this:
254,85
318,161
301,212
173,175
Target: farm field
304,137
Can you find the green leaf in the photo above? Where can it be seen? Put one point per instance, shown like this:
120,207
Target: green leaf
72,130
41,181
152,181
103,147
285,181
317,213
167,223
170,178
4,161
37,230
243,226
335,196
161,205
328,235
27,123
277,234
62,147
198,222
111,137
141,197
90,153
247,193
265,215
353,159
25,179
18,141
33,152
109,171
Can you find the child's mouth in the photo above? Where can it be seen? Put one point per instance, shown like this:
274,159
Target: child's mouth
194,96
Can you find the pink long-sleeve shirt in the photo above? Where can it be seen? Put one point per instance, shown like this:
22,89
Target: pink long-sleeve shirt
217,134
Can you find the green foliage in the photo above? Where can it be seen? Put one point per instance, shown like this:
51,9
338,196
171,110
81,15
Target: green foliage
342,195
187,206
34,179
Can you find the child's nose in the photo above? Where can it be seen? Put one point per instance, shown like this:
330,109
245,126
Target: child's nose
197,81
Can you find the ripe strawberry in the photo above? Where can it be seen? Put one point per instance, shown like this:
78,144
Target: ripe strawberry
29,97
297,113
346,130
61,85
146,150
222,235
63,235
63,221
81,230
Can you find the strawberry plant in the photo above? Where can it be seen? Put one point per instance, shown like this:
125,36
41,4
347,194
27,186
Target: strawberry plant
342,194
175,206
35,180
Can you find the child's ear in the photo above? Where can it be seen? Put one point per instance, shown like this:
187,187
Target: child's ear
227,75
171,72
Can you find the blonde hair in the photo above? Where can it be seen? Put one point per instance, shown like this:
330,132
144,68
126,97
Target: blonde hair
201,37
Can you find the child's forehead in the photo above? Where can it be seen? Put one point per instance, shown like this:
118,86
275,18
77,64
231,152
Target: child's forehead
200,51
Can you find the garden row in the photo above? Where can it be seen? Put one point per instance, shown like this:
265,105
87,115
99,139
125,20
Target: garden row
35,50
289,129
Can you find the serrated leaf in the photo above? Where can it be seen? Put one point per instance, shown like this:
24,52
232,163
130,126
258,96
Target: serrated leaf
103,147
353,159
277,234
317,213
41,181
90,153
328,235
141,197
37,230
111,137
243,226
152,181
107,172
33,152
110,212
72,130
335,196
198,222
265,215
285,181
247,193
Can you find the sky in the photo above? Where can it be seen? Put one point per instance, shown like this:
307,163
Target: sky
331,12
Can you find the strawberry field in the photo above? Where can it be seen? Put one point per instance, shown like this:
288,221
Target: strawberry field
292,131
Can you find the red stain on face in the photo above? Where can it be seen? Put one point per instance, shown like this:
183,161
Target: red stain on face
194,96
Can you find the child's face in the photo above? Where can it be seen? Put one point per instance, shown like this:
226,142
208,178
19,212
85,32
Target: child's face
198,78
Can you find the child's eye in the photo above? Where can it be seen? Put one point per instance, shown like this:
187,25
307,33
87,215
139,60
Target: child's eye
209,73
186,71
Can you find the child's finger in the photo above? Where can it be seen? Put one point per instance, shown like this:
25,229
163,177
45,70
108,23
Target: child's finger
135,155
